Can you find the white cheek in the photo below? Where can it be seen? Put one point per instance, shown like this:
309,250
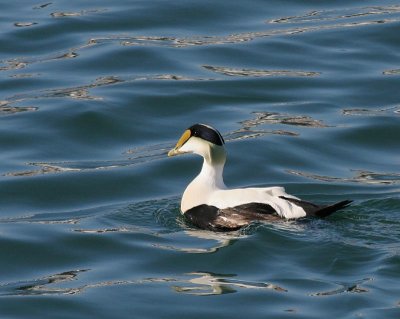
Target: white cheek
194,145
186,148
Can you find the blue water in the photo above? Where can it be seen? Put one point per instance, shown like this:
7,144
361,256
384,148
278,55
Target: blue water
94,93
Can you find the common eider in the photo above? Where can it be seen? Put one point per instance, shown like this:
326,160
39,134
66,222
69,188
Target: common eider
209,204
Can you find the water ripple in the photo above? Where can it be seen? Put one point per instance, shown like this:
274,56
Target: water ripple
339,14
236,38
372,112
257,73
7,109
201,284
244,133
262,118
63,14
249,128
42,6
361,176
82,92
354,287
54,218
43,286
24,24
79,166
207,283
20,63
391,72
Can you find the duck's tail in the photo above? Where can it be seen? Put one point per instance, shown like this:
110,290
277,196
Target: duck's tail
321,211
325,211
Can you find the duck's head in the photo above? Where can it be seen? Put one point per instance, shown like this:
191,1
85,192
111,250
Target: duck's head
203,140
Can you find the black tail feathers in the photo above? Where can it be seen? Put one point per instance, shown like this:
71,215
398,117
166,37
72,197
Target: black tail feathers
325,211
313,210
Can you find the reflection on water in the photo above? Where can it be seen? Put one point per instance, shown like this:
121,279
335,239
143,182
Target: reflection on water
354,287
237,38
372,112
207,283
257,73
12,65
242,133
16,64
76,14
24,24
360,13
44,169
7,109
234,38
23,75
54,218
48,285
103,230
249,128
339,14
42,6
43,286
364,177
391,72
209,242
79,92
262,118
79,166
201,284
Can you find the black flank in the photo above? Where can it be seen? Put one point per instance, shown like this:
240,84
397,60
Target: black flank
230,218
233,218
202,216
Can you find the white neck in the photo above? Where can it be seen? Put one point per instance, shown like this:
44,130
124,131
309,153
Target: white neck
209,179
212,175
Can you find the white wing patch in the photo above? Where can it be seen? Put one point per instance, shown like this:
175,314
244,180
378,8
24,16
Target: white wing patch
225,198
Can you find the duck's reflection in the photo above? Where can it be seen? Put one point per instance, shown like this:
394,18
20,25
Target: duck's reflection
210,242
44,286
200,283
208,283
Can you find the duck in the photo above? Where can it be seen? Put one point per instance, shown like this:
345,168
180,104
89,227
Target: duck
209,204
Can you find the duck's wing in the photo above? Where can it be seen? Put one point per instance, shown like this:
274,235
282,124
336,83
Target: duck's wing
314,210
275,197
231,218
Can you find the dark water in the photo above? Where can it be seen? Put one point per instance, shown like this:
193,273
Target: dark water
93,94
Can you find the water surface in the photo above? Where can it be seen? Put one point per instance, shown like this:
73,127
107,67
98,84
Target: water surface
94,94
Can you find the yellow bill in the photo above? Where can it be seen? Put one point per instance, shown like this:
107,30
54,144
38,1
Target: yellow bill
185,136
